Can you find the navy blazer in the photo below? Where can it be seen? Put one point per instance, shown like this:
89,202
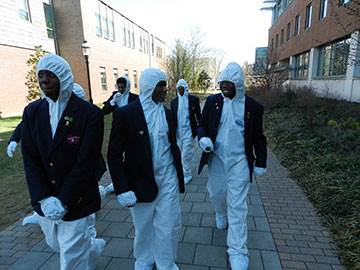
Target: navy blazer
129,154
108,108
63,166
194,112
15,137
255,141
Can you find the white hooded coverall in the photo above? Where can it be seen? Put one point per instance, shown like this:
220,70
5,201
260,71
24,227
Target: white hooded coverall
157,224
122,99
76,243
184,136
228,170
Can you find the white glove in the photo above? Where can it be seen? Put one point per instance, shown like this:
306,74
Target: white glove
115,98
52,208
127,199
11,149
259,171
206,144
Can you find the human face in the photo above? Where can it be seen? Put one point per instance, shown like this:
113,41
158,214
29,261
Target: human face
181,90
49,84
121,87
159,93
228,89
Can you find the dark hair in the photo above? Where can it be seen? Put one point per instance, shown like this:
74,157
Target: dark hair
121,80
161,83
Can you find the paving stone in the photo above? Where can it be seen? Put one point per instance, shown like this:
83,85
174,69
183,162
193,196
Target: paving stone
262,224
185,253
101,226
116,215
31,260
318,266
255,260
208,220
118,247
191,219
117,229
194,197
270,260
210,256
198,235
257,211
120,264
202,208
192,267
261,240
186,206
102,262
219,237
53,263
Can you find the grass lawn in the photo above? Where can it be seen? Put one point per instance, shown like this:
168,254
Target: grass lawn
318,140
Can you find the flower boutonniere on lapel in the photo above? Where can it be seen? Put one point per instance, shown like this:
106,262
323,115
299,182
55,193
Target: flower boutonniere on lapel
216,106
69,121
248,115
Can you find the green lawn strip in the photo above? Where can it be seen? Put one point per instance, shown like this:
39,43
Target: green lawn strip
324,158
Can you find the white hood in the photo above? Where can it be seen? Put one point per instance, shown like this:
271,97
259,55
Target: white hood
185,85
60,67
121,99
79,91
234,73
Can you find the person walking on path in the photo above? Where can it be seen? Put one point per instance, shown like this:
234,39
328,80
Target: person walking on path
186,114
145,167
231,136
61,138
121,97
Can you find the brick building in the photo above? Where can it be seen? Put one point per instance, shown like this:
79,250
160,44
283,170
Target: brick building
318,41
22,27
118,45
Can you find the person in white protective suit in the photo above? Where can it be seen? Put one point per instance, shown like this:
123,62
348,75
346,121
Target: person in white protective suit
145,167
61,146
15,137
231,136
186,114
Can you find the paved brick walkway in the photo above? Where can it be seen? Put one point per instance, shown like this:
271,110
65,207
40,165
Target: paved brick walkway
284,232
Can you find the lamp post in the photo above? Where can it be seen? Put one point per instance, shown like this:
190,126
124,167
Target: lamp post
86,52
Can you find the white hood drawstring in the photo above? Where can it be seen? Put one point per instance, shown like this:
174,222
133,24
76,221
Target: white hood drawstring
62,70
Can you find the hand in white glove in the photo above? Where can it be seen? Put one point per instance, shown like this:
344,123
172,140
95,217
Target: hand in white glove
115,99
11,149
259,171
52,208
206,144
127,199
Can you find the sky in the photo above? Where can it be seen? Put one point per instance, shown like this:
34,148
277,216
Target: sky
235,27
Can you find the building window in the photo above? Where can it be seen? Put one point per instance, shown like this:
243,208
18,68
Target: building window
24,10
104,21
272,43
282,37
116,75
124,32
135,79
297,25
49,19
126,71
308,16
288,32
111,27
152,45
103,78
301,66
98,21
333,58
323,9
277,41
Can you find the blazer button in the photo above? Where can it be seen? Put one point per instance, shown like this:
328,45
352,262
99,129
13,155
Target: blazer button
51,164
53,182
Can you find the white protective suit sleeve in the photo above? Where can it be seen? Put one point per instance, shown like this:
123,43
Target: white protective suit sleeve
127,199
11,149
259,171
122,99
62,70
